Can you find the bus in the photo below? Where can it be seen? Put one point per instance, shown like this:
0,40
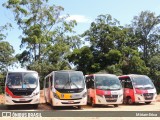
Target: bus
22,87
138,89
65,88
104,89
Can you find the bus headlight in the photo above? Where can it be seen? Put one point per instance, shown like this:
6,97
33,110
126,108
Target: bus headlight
120,95
55,95
85,94
8,95
34,94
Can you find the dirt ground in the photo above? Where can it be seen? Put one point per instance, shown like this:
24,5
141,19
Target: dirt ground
152,107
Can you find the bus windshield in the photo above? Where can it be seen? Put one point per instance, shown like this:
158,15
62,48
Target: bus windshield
22,80
107,83
69,80
142,82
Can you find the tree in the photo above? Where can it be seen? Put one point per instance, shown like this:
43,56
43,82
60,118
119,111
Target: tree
145,27
131,63
83,60
6,51
6,56
47,36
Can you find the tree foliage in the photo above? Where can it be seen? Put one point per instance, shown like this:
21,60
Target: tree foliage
47,36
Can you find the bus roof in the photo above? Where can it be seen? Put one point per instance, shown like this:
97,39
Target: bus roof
100,74
20,70
61,71
131,75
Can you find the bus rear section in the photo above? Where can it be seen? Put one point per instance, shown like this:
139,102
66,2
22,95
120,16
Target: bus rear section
104,89
138,89
22,88
65,88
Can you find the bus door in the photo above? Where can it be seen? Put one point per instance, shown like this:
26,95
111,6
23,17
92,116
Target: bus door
47,91
123,86
128,91
90,88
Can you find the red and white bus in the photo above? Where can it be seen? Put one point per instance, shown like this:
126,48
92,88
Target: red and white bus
22,87
138,89
104,89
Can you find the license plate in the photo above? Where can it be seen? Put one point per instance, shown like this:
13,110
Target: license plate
70,101
148,96
22,100
109,98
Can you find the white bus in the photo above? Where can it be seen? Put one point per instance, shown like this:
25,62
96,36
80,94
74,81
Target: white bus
104,89
22,87
65,88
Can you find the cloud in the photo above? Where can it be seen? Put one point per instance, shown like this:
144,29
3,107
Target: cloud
79,18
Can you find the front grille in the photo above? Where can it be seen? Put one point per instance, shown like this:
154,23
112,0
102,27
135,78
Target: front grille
111,98
20,93
70,103
22,101
148,96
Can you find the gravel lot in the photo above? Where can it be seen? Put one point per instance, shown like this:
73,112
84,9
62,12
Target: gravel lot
43,106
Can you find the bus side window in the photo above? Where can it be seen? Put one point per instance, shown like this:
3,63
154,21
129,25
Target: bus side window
92,82
51,80
89,82
128,83
47,82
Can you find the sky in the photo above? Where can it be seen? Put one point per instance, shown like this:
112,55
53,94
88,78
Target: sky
85,12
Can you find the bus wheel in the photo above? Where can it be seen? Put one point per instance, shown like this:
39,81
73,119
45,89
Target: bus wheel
79,107
116,105
129,101
147,102
92,102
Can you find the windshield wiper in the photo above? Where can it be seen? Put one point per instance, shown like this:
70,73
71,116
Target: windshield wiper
66,84
75,84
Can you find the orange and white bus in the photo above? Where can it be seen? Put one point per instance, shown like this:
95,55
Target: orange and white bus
138,89
104,89
22,87
65,88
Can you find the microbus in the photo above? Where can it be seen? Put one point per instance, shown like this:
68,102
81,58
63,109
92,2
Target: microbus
22,87
104,89
138,89
65,88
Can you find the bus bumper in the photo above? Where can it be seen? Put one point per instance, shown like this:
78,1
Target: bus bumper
18,101
140,98
104,101
58,102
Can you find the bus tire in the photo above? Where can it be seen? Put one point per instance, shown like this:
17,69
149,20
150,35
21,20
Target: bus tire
148,103
92,102
79,107
129,101
116,105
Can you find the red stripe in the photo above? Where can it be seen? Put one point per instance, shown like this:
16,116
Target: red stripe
103,92
11,94
138,91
